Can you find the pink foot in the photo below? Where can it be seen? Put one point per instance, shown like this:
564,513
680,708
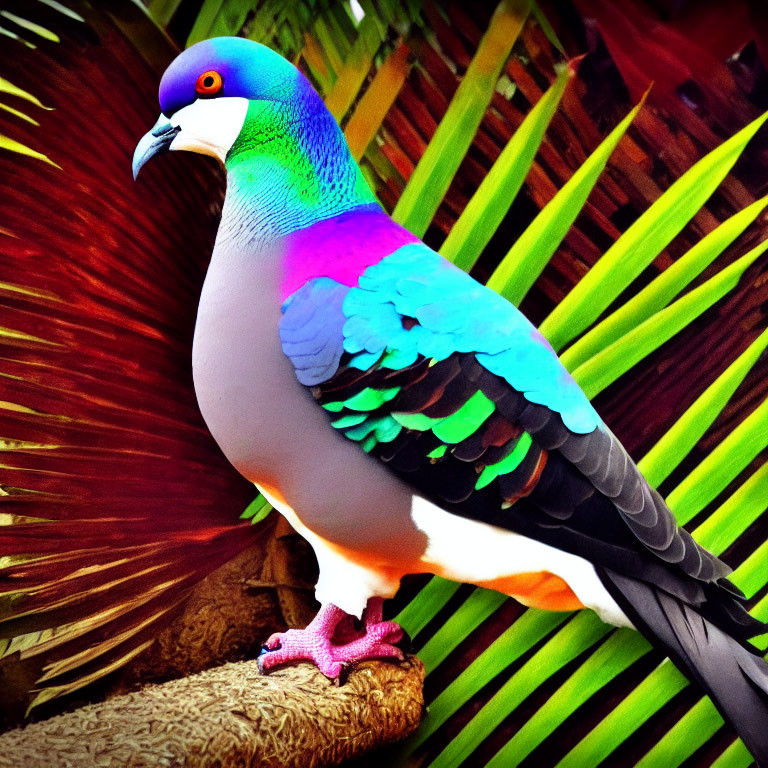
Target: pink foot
332,642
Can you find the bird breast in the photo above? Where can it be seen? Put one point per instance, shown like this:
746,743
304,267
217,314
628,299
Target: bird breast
245,387
268,425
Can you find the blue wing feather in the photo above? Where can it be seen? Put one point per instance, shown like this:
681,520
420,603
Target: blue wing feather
428,341
310,331
457,314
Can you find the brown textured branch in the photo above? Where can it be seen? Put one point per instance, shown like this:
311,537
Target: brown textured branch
231,612
265,589
231,716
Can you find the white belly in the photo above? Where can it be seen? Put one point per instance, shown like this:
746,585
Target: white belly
459,549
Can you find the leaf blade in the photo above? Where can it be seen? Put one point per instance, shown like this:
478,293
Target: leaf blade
721,466
678,441
377,100
644,240
662,289
528,256
440,161
604,368
493,198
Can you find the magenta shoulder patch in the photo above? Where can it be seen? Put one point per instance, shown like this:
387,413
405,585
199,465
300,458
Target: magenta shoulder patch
340,248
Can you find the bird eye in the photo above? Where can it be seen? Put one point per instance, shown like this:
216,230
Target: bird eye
209,83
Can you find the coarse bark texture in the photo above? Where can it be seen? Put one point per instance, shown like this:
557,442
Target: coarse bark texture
268,588
231,716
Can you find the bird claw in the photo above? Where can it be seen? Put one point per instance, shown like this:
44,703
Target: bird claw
314,644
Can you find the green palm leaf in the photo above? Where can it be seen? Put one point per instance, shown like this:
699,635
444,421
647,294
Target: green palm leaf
418,613
721,466
666,681
475,609
616,359
436,169
736,756
660,291
580,633
488,206
644,240
529,630
657,464
530,253
620,651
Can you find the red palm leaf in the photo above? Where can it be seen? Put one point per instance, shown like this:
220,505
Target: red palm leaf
116,499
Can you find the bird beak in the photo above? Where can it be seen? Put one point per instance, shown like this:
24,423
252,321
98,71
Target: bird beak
157,139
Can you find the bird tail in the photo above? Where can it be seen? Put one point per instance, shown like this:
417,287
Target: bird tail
711,650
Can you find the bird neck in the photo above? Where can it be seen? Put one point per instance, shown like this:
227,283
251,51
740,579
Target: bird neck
289,168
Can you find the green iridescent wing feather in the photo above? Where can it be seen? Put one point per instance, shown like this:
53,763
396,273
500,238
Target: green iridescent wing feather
451,387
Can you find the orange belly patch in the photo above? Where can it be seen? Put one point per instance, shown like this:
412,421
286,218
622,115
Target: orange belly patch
390,570
538,590
272,491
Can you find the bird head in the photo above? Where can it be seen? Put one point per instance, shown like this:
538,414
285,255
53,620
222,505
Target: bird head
211,90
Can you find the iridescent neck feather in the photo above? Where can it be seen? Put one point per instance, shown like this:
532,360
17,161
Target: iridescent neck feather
289,168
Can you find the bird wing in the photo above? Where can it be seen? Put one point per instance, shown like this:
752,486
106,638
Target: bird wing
456,392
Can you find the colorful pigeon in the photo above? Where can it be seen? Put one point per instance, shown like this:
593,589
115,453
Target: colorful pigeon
405,418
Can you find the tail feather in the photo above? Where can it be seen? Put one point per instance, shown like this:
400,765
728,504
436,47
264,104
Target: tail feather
716,656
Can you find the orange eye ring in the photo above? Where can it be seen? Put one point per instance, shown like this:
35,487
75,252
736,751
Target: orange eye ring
209,83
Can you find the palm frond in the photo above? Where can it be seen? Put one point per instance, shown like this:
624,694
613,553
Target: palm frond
115,500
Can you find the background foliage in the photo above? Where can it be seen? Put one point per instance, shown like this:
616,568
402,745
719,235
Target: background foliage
631,231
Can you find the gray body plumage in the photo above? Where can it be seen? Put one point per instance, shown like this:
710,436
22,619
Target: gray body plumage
266,422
